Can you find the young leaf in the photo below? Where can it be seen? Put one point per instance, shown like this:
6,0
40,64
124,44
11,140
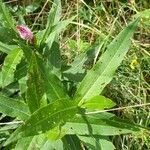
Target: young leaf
45,118
35,87
10,63
102,73
13,107
98,102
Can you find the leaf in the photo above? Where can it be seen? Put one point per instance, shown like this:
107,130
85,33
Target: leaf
45,118
97,143
53,18
6,16
6,48
56,30
7,36
35,87
98,102
10,63
77,69
105,124
53,86
30,143
71,142
52,145
102,73
13,107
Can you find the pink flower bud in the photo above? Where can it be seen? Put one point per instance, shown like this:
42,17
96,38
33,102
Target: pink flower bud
25,33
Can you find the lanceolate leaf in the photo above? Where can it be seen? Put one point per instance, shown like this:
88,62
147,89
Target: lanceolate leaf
10,63
102,73
13,107
35,85
53,86
53,18
100,124
45,118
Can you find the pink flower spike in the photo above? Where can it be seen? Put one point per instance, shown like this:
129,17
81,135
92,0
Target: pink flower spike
25,33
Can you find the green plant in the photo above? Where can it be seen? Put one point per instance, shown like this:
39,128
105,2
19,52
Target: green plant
52,102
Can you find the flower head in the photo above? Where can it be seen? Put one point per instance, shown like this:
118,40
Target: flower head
25,33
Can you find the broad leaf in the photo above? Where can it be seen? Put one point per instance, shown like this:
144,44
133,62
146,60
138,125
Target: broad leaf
10,63
35,87
102,73
13,107
45,118
98,102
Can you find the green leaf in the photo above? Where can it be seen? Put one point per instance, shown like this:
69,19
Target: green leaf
53,18
6,48
53,86
71,142
100,124
13,107
97,143
45,118
77,70
102,73
35,87
56,30
7,35
10,63
30,143
98,102
9,22
52,145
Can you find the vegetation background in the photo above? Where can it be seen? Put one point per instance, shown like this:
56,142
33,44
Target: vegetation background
96,21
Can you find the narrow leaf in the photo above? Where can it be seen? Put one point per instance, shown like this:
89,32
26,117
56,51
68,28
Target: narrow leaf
102,73
53,18
13,107
6,16
35,85
53,86
101,124
10,63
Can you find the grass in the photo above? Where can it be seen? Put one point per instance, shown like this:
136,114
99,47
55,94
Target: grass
98,22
